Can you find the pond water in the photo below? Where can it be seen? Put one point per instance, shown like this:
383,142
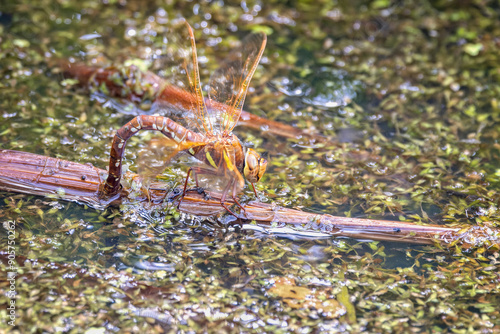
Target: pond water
407,94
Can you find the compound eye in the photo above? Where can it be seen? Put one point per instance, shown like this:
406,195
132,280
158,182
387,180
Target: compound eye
252,168
252,162
262,168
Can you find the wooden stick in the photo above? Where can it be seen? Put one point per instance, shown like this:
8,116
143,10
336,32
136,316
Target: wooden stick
44,176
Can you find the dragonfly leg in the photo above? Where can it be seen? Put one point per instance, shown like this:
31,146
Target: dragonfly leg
200,191
223,198
241,207
254,191
223,204
195,176
232,184
235,199
185,187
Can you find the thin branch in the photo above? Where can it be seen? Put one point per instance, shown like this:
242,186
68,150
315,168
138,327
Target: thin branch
44,176
158,90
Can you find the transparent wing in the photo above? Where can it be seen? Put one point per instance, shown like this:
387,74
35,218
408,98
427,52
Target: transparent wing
157,155
228,179
182,92
155,158
231,173
182,96
229,84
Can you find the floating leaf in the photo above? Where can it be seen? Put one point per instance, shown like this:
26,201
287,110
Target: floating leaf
298,297
473,49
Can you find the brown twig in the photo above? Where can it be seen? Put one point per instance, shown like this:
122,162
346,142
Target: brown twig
39,175
133,85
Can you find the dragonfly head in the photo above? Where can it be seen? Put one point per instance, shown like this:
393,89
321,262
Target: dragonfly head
255,166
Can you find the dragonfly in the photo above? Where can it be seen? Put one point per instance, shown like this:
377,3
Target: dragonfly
207,135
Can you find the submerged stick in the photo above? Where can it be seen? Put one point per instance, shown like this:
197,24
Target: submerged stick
134,85
44,176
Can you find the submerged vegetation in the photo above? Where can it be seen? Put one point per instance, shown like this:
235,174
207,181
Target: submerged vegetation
407,95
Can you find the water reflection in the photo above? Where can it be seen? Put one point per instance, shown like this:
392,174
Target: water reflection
324,88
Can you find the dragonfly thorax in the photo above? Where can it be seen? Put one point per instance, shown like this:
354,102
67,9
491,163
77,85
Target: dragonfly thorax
223,153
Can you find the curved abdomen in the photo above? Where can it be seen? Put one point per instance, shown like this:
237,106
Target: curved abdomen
184,137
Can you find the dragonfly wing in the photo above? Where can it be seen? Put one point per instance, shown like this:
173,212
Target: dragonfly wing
231,173
226,172
229,84
160,151
183,93
155,158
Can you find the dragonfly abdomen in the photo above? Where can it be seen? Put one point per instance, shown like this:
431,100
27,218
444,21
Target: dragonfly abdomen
185,138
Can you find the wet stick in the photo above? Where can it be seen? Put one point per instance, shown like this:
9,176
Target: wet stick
45,176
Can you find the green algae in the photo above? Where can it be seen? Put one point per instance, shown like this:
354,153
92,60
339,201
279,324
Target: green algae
415,139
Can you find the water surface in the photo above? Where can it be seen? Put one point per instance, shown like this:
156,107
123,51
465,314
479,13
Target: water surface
408,95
